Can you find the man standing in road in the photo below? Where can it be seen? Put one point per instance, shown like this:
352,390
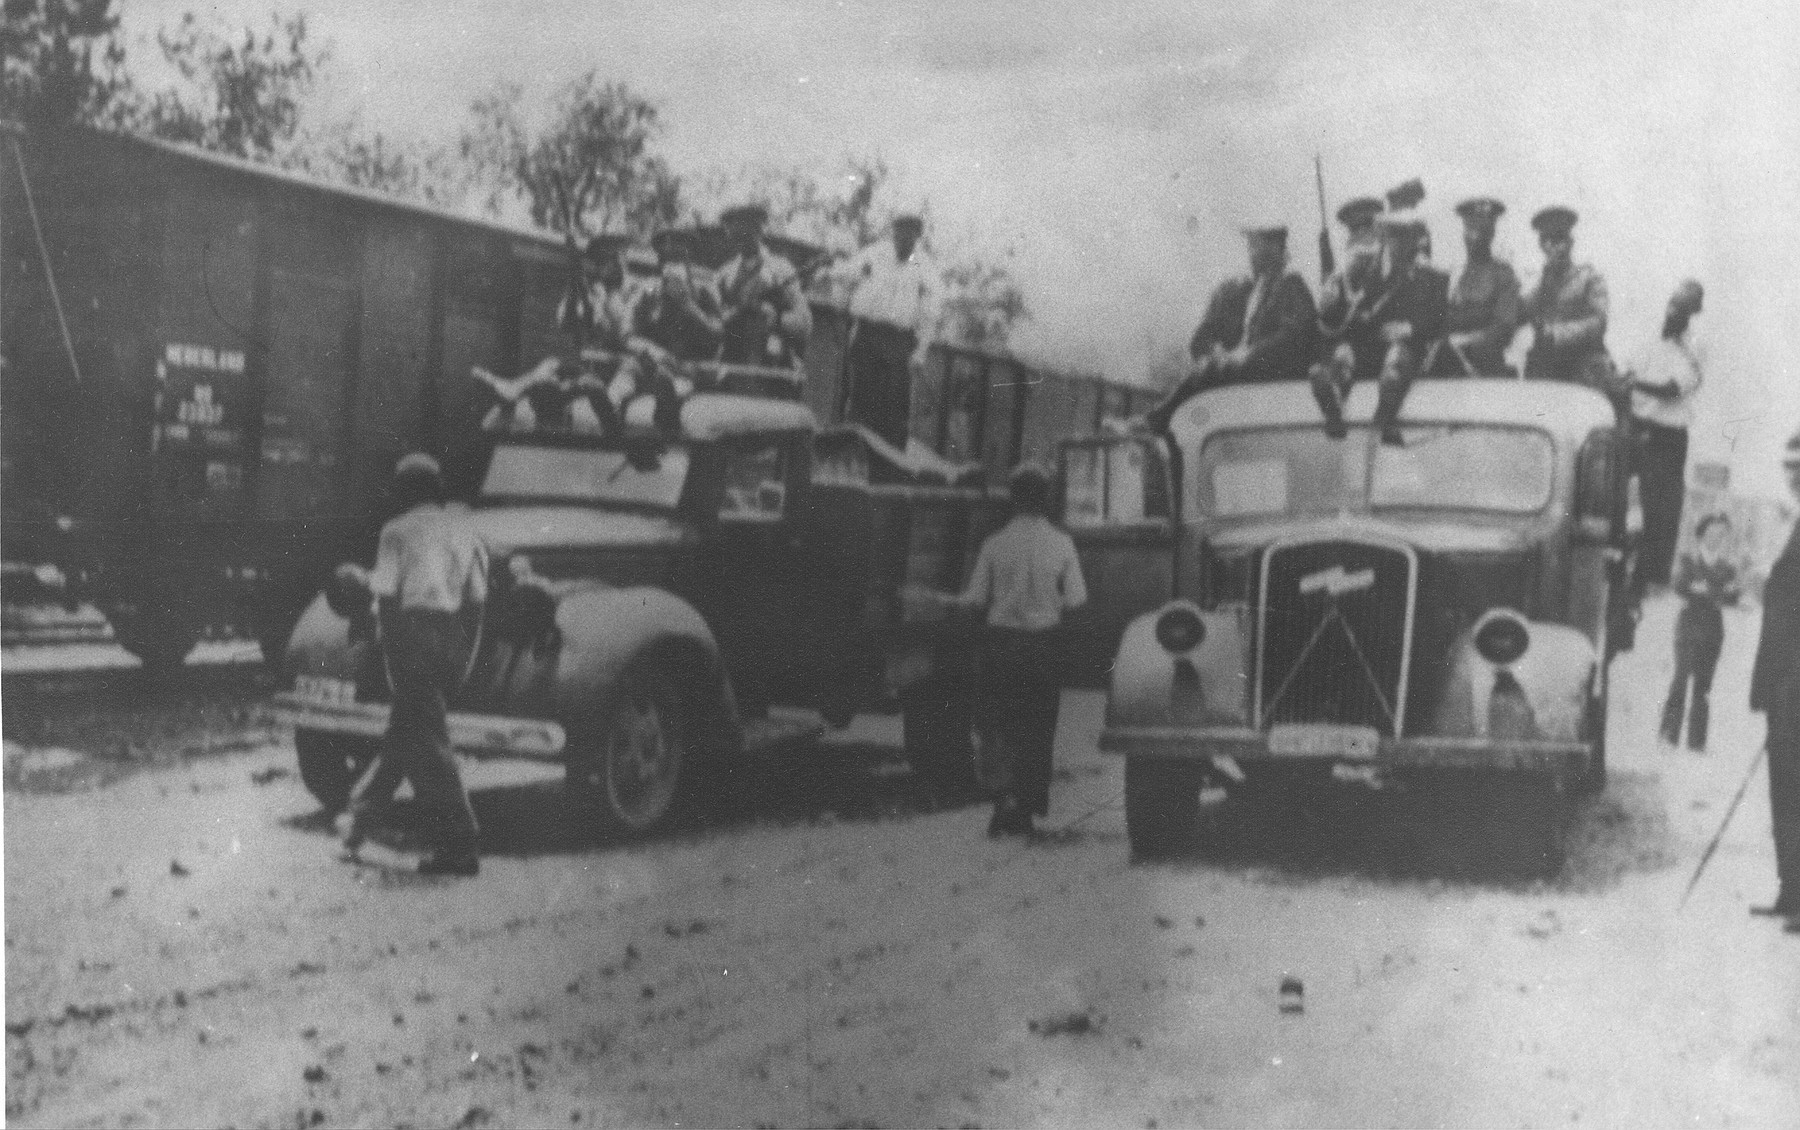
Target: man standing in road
1026,577
429,582
1567,310
895,295
766,318
1483,312
1259,328
1775,688
1385,339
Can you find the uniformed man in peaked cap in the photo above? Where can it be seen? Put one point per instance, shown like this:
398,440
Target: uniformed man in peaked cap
1389,335
1775,688
766,318
1257,328
1567,310
1484,305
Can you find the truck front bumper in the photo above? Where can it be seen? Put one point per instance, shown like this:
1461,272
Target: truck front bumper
480,735
1246,746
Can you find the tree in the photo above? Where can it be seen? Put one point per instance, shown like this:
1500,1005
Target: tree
983,302
237,96
848,214
589,172
60,61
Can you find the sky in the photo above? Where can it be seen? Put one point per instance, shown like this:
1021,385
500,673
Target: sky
1116,148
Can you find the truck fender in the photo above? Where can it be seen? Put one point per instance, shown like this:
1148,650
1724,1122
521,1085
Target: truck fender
320,644
1205,685
1556,672
604,630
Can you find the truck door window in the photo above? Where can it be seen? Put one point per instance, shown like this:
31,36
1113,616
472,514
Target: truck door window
1118,484
755,484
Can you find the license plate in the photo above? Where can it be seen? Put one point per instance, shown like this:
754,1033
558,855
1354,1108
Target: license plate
1357,743
334,692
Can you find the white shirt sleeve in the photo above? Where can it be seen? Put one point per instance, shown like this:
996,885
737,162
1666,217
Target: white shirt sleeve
1074,585
980,592
384,581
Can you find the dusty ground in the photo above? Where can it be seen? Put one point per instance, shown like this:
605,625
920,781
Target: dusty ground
184,947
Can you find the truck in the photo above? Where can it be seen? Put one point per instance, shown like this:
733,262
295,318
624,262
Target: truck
1437,615
664,605
208,366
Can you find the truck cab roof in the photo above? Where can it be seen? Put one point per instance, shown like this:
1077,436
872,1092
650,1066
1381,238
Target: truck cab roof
1569,412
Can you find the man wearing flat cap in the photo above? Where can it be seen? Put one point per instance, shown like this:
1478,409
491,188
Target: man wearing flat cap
1775,688
766,318
1362,243
1484,303
1259,328
1387,336
1567,310
895,299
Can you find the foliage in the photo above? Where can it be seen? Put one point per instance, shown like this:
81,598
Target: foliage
60,61
841,213
237,96
589,171
983,302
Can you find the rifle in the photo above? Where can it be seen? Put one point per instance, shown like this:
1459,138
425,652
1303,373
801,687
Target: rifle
1327,260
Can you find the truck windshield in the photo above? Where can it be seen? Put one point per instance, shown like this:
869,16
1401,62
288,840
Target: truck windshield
522,472
1300,470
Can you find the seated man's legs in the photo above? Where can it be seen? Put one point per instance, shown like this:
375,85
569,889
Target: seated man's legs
1398,369
1331,380
1203,376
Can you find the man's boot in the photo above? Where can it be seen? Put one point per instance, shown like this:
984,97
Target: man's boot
1330,398
1387,412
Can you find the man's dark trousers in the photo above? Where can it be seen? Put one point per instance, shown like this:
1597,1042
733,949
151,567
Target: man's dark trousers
880,373
1661,457
427,652
1784,786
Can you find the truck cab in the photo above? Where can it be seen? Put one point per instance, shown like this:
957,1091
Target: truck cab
665,602
1438,610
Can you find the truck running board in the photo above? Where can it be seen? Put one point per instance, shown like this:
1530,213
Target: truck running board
481,735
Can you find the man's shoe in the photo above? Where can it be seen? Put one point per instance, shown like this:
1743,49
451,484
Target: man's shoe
1782,907
448,864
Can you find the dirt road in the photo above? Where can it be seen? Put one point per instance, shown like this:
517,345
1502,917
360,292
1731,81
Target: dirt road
184,947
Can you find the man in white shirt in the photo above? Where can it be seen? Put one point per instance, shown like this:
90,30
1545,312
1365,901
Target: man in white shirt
1026,577
429,583
1663,383
895,302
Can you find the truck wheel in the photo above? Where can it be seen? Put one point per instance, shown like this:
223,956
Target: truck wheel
630,777
330,765
159,637
1162,801
938,734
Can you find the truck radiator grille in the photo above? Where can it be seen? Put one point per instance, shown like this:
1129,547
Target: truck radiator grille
1333,639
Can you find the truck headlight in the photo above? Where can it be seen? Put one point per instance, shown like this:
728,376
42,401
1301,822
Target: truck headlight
1502,638
1180,630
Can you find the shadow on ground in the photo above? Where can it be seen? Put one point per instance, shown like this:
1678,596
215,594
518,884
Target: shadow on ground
1400,836
827,783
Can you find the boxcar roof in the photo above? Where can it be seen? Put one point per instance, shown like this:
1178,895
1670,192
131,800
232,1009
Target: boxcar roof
311,183
1567,411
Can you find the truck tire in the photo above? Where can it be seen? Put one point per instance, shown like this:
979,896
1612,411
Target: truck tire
631,777
1162,802
159,637
330,765
937,731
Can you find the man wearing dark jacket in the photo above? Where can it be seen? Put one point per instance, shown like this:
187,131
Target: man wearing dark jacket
1384,337
1775,688
1259,328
